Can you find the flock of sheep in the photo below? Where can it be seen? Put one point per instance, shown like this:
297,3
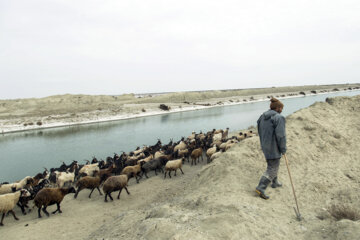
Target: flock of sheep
50,187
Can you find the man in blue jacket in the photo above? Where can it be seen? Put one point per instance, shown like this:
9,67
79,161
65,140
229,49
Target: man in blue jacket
271,129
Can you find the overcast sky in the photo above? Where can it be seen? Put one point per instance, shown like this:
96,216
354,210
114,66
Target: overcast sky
52,47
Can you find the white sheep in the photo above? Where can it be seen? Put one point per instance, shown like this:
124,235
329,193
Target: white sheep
8,202
210,152
11,187
217,136
241,136
215,155
225,144
159,154
229,145
88,170
65,177
192,136
145,160
173,165
180,146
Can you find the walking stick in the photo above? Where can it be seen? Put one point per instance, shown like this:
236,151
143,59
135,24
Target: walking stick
297,212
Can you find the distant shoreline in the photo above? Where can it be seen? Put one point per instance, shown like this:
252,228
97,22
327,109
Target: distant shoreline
127,116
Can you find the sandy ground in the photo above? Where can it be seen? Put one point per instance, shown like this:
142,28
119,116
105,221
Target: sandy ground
64,110
217,200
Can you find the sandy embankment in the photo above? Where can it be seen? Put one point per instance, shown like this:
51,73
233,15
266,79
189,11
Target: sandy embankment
217,201
65,110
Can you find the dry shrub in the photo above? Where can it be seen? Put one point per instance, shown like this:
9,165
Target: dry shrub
39,123
340,211
164,107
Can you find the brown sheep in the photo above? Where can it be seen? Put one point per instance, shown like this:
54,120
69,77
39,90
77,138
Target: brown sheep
107,172
132,171
196,154
115,183
50,196
90,183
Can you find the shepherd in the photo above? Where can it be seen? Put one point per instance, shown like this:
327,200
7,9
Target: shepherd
271,129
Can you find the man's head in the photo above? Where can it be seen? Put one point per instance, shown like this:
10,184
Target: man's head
276,105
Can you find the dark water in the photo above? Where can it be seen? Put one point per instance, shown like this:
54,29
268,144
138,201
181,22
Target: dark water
25,153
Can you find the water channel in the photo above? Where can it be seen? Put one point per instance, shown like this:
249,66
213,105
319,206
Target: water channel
26,153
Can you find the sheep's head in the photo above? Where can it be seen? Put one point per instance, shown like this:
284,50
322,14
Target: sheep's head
29,180
24,193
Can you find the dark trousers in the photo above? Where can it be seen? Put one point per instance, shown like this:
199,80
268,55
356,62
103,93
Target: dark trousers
272,168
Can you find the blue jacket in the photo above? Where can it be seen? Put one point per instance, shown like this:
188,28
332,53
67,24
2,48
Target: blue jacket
271,129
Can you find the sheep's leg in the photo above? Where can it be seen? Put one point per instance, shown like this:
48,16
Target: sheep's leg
44,210
119,193
22,208
127,190
137,180
181,171
13,213
111,197
106,197
165,174
58,209
170,174
77,192
91,192
155,172
2,219
39,210
175,172
146,175
99,191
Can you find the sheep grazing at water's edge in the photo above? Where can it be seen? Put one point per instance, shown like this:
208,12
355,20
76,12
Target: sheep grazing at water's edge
173,165
50,196
115,183
8,202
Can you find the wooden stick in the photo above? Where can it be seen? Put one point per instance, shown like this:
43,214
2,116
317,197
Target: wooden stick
292,185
